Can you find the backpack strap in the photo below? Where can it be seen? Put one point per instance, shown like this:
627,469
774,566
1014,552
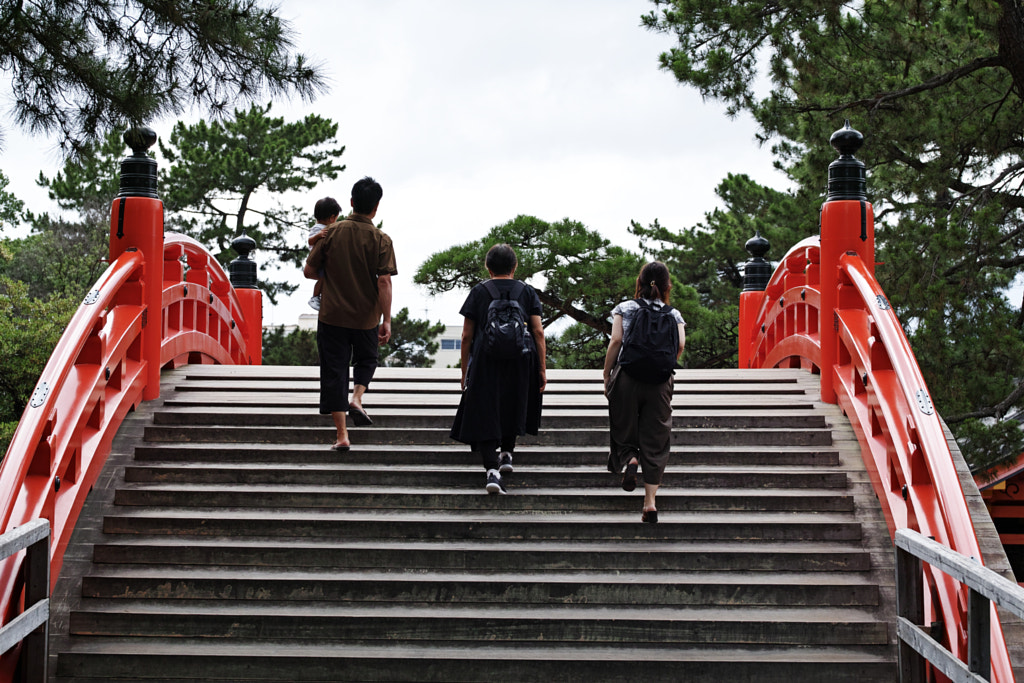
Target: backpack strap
492,289
644,303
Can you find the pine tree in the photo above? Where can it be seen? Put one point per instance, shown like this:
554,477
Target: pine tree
79,68
937,89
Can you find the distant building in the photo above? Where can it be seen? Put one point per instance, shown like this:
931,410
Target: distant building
450,352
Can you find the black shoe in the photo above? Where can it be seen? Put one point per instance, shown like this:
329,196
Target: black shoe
629,477
494,483
649,516
505,463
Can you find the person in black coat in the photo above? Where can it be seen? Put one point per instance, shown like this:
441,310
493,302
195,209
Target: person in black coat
501,398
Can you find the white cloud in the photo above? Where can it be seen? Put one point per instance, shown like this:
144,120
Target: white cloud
470,113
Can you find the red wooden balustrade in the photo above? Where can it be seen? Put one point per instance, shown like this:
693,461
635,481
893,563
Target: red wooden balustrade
144,314
873,375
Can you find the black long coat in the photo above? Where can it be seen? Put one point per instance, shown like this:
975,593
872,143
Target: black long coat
502,397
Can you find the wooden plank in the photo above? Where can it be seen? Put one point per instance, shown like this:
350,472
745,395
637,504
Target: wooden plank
935,653
1000,591
979,642
291,371
24,624
910,606
23,536
384,386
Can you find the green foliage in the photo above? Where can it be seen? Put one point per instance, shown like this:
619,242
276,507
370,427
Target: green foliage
216,171
937,88
81,67
213,184
579,346
59,259
706,260
411,346
577,273
412,342
297,347
11,207
29,330
89,182
7,430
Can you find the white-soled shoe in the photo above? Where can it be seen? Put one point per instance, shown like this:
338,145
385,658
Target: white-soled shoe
494,484
505,463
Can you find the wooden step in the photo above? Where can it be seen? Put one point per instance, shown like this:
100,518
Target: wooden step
229,543
201,661
612,555
388,454
224,433
172,582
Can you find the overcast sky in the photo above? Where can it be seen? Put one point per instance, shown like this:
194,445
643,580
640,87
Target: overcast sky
470,113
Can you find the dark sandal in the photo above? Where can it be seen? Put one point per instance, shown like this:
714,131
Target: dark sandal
359,417
629,477
649,516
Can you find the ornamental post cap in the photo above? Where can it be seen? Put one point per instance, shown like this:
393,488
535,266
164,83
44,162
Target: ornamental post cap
140,139
757,246
847,175
243,246
757,272
242,272
138,170
847,141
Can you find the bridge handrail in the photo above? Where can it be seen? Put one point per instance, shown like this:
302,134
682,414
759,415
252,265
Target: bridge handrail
32,624
97,374
985,587
880,387
206,287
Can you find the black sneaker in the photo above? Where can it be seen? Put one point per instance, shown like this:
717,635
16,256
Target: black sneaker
505,463
494,484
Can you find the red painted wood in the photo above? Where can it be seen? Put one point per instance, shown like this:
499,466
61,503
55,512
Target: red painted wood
814,300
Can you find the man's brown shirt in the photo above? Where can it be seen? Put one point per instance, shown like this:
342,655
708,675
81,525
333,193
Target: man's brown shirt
352,254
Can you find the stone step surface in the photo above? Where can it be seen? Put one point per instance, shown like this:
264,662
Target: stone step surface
227,542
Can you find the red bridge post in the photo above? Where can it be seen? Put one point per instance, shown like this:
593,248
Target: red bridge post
847,226
242,272
756,274
137,223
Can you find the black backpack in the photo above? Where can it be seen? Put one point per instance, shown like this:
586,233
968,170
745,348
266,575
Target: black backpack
650,346
504,335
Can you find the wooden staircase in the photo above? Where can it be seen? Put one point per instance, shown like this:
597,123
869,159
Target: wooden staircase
226,542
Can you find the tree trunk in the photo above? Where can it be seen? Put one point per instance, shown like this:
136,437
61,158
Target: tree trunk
1011,41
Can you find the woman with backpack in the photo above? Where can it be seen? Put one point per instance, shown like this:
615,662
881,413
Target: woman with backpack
503,366
648,337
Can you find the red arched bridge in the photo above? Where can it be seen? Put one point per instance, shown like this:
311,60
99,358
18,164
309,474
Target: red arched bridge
790,552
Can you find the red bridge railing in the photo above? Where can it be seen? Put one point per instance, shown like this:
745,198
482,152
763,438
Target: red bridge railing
164,301
823,309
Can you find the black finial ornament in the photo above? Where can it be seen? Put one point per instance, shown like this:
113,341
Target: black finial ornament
138,172
242,271
758,270
847,177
